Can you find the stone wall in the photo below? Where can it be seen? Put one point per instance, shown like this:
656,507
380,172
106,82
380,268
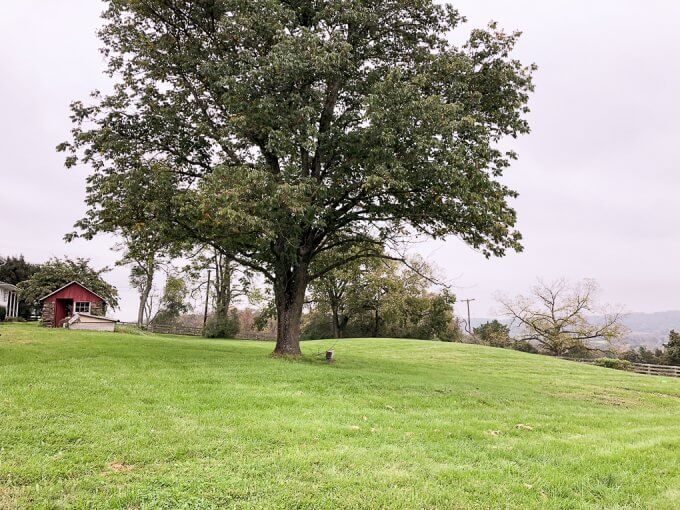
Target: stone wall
48,315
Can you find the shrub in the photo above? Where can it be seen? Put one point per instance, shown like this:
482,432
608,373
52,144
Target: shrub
615,363
222,326
524,346
494,334
129,329
3,313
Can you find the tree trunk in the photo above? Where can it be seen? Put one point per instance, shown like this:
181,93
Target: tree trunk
289,291
376,323
223,284
334,325
144,298
342,326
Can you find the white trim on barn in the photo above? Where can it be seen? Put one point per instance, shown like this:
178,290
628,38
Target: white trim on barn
9,298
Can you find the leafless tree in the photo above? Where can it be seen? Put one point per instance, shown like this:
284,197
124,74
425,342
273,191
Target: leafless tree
229,281
563,317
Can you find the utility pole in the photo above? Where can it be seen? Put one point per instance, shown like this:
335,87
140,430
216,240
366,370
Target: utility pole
469,323
207,299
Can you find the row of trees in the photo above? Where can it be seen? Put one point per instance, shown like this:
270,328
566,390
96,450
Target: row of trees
375,297
497,334
380,298
368,297
669,354
188,274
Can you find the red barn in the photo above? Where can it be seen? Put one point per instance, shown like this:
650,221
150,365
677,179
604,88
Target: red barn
72,298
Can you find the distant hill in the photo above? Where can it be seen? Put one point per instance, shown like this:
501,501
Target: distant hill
651,329
648,329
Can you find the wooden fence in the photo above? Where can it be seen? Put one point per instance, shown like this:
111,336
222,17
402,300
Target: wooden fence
642,368
175,329
646,368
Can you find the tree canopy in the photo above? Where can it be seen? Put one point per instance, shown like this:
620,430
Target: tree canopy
378,297
561,317
15,269
673,348
56,273
493,333
278,130
174,300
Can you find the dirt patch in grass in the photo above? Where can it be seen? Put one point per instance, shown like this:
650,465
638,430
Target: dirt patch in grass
118,467
602,398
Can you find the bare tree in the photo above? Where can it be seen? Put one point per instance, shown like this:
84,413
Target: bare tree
229,281
563,317
146,255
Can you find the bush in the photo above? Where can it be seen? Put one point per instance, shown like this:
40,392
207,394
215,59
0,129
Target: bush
524,346
3,313
494,334
615,363
222,326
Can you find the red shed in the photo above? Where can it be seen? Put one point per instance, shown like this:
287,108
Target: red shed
71,298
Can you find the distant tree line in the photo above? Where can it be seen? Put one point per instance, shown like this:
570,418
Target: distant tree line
380,298
668,354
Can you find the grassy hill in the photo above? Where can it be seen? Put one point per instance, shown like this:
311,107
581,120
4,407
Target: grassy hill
96,420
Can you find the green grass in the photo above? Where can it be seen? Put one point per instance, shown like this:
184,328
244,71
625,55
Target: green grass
96,420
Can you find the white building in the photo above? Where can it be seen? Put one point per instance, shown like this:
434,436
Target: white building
91,322
9,298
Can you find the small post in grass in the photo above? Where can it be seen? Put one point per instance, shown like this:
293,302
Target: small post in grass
330,356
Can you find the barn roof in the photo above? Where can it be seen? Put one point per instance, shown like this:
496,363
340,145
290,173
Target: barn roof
76,317
68,285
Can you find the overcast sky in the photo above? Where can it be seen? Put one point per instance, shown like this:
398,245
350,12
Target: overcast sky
599,175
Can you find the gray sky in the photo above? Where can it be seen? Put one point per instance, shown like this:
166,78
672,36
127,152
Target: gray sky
599,175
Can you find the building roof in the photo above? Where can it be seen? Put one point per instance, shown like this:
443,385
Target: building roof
78,315
68,285
8,286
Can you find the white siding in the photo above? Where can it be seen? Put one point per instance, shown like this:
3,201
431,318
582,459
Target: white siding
94,326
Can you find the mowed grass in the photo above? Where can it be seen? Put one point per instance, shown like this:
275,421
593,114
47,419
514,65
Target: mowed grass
97,420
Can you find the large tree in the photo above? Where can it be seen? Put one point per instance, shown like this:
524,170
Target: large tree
56,273
564,318
174,301
278,130
145,253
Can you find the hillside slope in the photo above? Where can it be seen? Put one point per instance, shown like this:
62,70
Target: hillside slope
98,420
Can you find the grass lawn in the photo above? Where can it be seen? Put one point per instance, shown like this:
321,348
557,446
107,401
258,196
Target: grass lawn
97,420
